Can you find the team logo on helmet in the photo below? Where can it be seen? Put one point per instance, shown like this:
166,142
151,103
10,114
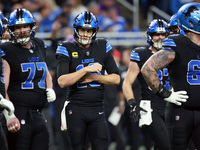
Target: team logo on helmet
192,9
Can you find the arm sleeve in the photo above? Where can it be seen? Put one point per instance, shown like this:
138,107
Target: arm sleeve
62,66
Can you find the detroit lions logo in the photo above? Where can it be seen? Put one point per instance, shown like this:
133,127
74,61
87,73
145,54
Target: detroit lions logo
88,60
192,9
33,59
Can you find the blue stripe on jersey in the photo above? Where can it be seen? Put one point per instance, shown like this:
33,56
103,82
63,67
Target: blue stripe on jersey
135,56
108,47
167,48
168,42
45,46
2,53
62,50
2,80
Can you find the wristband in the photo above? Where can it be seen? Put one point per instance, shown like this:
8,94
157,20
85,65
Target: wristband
131,102
163,92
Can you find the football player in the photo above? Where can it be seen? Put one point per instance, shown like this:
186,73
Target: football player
27,82
81,67
156,33
181,54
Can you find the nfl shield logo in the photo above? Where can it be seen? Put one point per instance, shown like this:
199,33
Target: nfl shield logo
70,112
30,50
177,118
87,53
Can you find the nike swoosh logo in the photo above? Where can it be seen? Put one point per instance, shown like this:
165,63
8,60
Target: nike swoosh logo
100,113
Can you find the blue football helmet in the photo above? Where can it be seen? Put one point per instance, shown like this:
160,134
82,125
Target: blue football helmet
85,20
172,26
156,26
189,17
3,23
173,20
21,17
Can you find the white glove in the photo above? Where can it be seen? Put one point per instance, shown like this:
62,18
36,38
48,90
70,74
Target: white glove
177,97
8,116
6,104
51,96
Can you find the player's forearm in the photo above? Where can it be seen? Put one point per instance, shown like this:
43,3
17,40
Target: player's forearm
127,90
156,62
49,82
151,77
110,79
71,78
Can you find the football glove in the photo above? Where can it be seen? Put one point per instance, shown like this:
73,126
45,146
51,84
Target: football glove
177,97
51,96
6,104
135,110
171,96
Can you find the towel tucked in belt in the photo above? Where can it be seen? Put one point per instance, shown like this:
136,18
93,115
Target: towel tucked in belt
63,117
146,117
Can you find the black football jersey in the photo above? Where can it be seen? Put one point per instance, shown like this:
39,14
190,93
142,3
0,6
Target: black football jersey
140,56
76,58
27,73
184,71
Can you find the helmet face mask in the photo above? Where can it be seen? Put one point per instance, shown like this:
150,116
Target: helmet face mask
85,21
157,26
21,18
83,38
22,36
189,17
172,26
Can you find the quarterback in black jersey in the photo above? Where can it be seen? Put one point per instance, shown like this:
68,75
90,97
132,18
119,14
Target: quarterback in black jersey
156,128
28,83
81,68
181,54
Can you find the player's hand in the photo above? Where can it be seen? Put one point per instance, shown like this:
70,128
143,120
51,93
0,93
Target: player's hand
135,110
51,96
6,104
96,67
13,124
177,97
87,78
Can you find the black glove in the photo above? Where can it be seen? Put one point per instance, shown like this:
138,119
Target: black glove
135,110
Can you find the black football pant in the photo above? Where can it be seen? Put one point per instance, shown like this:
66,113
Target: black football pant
3,141
183,124
33,134
157,130
82,121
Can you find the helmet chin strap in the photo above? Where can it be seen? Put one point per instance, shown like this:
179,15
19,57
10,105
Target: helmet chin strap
23,41
84,42
158,46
